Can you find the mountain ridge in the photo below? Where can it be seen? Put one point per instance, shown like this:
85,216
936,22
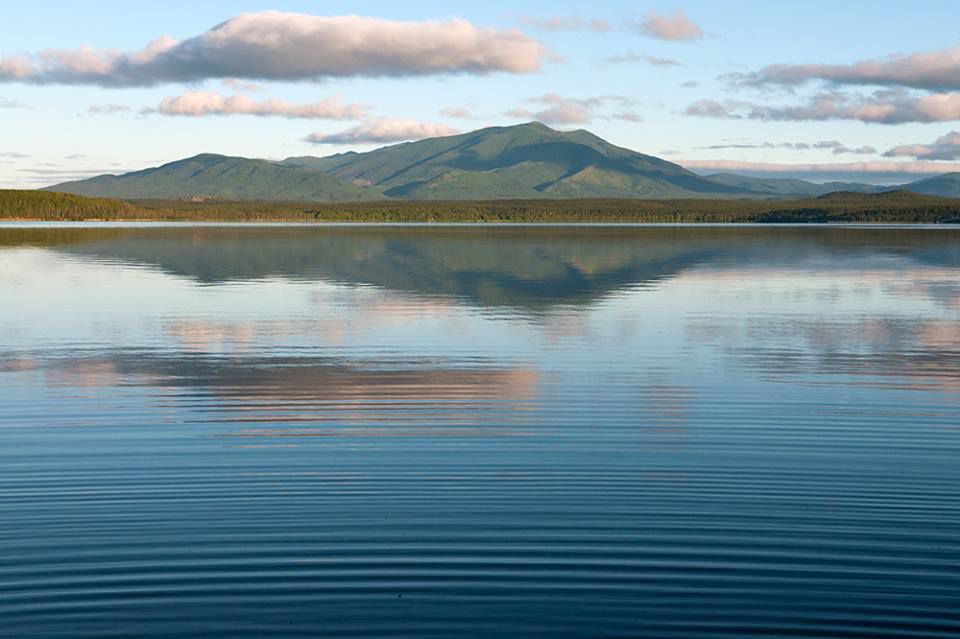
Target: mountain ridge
525,161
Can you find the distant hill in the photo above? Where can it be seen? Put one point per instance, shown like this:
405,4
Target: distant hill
222,177
790,187
947,185
528,161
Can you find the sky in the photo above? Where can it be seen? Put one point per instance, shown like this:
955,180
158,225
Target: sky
866,91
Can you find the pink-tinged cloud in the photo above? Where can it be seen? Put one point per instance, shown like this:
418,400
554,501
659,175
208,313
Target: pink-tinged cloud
882,107
201,103
934,71
458,113
563,23
560,110
946,147
677,27
290,46
383,131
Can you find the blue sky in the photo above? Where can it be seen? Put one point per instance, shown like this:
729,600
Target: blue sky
696,87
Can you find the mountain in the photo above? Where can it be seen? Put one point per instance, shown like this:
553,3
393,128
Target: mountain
221,177
947,185
524,161
527,161
790,187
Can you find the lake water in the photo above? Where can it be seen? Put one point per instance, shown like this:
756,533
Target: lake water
479,432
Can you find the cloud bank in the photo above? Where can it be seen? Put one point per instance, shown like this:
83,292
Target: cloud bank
677,27
289,46
383,131
933,71
946,147
882,107
201,103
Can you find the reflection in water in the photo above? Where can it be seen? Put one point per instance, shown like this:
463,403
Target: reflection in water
538,432
301,389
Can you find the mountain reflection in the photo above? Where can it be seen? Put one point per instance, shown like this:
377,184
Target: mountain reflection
518,267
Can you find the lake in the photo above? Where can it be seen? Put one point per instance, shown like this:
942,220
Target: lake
268,431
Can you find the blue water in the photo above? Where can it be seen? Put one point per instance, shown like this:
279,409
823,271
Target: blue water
479,432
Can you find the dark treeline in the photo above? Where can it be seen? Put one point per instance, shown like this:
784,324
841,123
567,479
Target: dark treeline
898,206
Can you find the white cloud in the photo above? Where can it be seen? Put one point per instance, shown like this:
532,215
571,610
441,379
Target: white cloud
677,27
290,46
882,107
562,23
200,103
946,147
630,56
557,109
934,71
108,109
383,131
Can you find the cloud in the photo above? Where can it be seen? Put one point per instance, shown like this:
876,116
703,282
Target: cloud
45,174
840,170
881,107
201,103
630,57
711,109
240,85
11,104
289,46
933,71
692,84
458,113
13,155
557,109
834,146
626,116
383,131
108,109
561,23
946,147
677,27
838,148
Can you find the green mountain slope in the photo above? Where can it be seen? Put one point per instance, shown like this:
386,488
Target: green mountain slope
947,185
524,161
221,177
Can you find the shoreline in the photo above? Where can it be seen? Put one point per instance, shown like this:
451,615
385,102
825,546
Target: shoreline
895,207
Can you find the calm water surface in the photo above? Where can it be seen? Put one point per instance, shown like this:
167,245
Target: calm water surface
479,432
